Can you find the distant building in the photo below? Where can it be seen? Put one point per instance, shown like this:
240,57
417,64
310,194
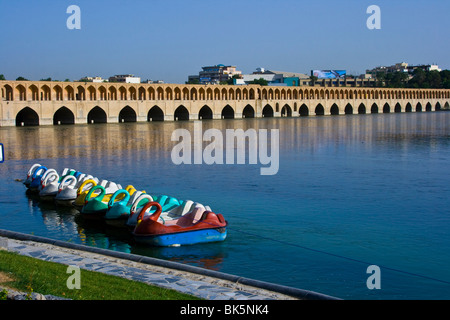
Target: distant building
93,79
401,67
284,78
125,78
274,78
153,81
215,74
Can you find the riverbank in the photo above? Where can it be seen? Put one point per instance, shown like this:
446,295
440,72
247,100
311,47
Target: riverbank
199,282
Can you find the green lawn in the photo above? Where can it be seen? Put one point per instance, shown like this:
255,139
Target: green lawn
34,275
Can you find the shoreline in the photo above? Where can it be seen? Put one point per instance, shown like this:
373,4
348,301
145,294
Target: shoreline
200,282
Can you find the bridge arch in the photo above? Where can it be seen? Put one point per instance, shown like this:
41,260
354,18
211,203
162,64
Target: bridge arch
428,107
81,93
362,109
386,108
334,110
418,107
408,107
92,93
181,114
155,114
397,108
227,112
374,108
286,111
142,94
248,112
69,93
27,117
58,92
267,111
97,115
63,116
205,113
133,94
127,114
112,93
348,109
45,93
8,93
21,92
303,111
437,107
34,92
319,111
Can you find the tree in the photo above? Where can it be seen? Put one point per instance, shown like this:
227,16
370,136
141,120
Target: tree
313,79
193,81
260,81
21,79
2,77
381,78
396,79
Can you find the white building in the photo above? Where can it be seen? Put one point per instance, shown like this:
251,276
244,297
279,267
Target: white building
126,78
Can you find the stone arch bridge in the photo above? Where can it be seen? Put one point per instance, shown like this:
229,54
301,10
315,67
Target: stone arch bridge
51,103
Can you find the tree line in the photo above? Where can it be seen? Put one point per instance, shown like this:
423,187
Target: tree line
419,79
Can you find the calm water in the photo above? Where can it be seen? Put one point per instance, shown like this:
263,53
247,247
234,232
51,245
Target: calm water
351,191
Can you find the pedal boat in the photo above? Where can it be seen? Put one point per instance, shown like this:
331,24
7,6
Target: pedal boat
119,211
67,189
30,173
86,186
95,207
36,178
198,226
49,185
172,208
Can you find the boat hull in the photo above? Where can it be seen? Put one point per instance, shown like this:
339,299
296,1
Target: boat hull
183,238
47,198
64,202
119,222
93,215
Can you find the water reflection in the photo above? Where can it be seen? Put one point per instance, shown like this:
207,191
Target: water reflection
154,139
137,146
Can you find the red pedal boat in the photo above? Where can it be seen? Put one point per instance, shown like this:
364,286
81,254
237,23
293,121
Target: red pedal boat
198,226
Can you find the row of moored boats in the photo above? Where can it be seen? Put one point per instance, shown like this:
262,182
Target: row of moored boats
157,220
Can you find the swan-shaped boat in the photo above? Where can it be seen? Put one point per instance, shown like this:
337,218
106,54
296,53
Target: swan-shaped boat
95,207
87,185
82,191
49,185
30,172
119,211
197,226
36,178
67,189
172,208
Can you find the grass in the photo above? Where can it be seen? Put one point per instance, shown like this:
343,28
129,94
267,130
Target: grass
27,274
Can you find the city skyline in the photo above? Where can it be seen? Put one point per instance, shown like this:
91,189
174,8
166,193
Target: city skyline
169,40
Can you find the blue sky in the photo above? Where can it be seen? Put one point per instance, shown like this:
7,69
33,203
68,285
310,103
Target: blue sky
171,39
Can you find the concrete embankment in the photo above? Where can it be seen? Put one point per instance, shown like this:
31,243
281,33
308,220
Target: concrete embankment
200,282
